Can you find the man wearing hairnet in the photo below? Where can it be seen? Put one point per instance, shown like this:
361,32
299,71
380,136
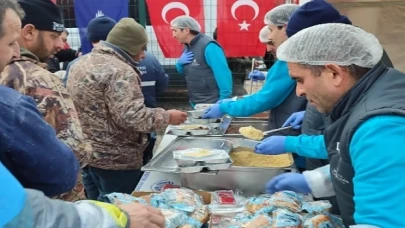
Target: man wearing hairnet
203,61
310,14
278,93
338,68
269,56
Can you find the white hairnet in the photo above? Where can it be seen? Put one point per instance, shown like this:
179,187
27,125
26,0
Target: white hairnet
264,35
332,43
280,15
186,22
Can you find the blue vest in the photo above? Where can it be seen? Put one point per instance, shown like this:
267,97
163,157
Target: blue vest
379,92
201,84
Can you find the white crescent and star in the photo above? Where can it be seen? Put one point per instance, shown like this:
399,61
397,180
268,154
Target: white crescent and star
250,3
174,5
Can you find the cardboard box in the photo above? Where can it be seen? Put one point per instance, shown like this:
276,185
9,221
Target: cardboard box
154,181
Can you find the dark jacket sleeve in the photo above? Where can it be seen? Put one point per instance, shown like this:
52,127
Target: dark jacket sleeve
39,160
66,55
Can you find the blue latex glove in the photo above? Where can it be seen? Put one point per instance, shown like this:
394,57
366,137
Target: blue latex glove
272,145
295,120
257,75
186,58
213,112
224,100
288,181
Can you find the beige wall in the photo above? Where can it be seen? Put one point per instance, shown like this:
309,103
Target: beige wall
383,18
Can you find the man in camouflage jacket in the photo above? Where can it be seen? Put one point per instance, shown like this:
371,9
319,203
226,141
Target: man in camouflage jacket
105,86
27,75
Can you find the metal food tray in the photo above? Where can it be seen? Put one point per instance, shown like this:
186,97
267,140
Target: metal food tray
165,162
250,180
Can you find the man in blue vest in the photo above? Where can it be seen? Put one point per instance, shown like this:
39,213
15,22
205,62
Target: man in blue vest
154,81
338,68
312,13
278,93
203,61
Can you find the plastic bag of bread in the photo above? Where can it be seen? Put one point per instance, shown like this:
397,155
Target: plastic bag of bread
173,218
201,214
316,207
287,199
254,204
182,199
283,218
191,223
258,221
319,221
123,198
158,201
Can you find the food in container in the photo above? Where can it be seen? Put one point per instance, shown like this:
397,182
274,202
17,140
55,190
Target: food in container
190,129
202,106
246,157
205,121
191,169
196,114
200,154
251,133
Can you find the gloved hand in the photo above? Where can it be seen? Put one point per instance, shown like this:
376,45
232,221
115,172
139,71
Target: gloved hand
256,75
288,181
295,120
272,145
186,58
224,100
213,112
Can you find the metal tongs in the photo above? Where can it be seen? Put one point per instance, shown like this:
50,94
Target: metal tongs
276,130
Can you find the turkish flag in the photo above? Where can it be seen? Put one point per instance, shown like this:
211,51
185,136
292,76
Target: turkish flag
239,24
162,12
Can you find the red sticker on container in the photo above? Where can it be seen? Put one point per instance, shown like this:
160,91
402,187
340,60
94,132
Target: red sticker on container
225,197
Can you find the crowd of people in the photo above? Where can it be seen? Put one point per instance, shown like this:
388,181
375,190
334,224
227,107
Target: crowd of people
68,141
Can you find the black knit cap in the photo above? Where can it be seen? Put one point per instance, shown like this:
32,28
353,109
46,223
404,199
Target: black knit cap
43,14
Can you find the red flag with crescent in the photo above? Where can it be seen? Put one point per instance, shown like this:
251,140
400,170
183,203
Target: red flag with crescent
162,12
239,24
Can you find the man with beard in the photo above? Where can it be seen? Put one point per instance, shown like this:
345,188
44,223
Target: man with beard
39,38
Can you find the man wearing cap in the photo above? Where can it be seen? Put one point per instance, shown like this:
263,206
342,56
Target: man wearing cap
30,149
97,30
40,37
363,137
203,61
106,88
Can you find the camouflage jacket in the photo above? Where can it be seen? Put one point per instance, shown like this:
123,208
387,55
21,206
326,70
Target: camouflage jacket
106,89
28,76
